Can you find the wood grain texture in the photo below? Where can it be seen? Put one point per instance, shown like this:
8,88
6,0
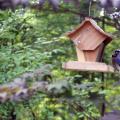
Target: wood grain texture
88,38
100,53
78,29
80,55
90,55
88,35
88,66
94,55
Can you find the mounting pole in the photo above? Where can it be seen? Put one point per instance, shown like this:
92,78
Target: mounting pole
103,107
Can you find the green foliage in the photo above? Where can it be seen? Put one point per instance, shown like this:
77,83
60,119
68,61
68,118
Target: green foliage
30,39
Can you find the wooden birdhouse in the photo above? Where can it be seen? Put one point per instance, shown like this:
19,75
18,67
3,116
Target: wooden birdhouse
90,41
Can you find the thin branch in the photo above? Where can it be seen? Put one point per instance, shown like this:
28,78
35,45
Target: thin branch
67,10
107,21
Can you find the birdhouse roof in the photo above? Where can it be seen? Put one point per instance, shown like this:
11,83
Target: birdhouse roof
106,38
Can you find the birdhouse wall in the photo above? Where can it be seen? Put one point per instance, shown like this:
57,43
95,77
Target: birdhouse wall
95,55
87,37
100,52
80,55
90,55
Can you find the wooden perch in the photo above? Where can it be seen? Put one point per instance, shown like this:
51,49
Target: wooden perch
88,66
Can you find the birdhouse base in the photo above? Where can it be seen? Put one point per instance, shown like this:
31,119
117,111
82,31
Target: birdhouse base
88,66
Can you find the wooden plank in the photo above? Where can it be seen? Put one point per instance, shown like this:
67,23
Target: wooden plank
100,52
89,30
91,55
88,66
80,55
87,38
90,39
94,55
